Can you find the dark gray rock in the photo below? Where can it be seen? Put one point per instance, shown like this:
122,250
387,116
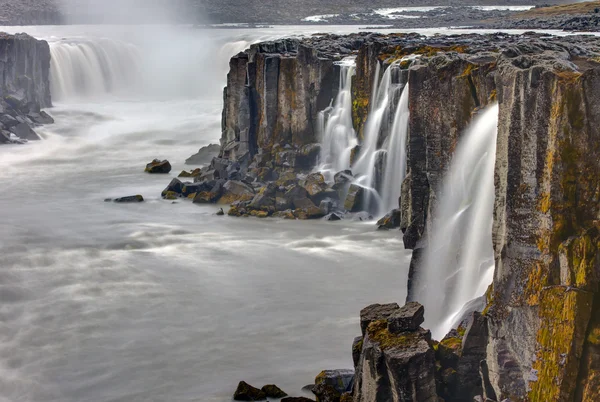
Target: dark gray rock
246,392
376,312
408,318
354,199
340,380
273,391
22,130
390,221
332,217
129,199
158,166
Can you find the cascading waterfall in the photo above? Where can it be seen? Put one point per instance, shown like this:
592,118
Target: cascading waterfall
91,68
459,262
338,137
395,156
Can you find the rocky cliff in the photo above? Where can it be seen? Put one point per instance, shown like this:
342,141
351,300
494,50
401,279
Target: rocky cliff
538,339
24,86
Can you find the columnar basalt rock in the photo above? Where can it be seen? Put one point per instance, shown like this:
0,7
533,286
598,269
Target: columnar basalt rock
538,339
24,87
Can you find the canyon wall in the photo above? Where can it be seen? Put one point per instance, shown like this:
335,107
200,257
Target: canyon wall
538,338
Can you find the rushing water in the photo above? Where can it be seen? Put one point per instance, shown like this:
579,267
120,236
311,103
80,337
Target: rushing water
160,300
459,262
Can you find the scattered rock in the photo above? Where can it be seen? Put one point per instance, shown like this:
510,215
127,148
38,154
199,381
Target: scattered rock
129,199
220,212
326,393
332,217
175,186
390,221
158,166
273,391
340,380
354,199
246,392
191,173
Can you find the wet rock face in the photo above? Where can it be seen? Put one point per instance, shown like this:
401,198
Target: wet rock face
396,362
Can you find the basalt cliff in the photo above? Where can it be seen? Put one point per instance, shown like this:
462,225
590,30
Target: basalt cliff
24,87
538,337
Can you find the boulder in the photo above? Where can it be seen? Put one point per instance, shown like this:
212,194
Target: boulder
314,184
376,312
332,217
8,121
343,177
307,155
204,155
407,318
326,393
206,174
235,190
282,203
354,199
296,193
246,392
158,166
273,391
286,178
40,117
22,130
171,195
340,380
129,199
303,203
190,189
326,206
287,214
220,212
204,197
390,221
191,173
265,198
174,186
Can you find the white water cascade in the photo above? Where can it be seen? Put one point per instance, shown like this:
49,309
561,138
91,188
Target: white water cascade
395,156
459,262
338,137
91,68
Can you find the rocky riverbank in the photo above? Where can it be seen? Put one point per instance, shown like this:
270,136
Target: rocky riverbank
536,339
24,88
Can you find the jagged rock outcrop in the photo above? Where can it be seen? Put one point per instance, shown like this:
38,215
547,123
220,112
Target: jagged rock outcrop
24,87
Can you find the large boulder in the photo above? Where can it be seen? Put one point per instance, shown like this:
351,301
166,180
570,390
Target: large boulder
341,379
24,131
40,117
376,312
355,198
158,166
264,200
390,221
175,186
210,196
326,393
235,190
273,391
246,392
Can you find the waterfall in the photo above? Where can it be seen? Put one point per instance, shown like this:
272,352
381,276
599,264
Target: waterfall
379,169
459,262
395,156
91,68
338,137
